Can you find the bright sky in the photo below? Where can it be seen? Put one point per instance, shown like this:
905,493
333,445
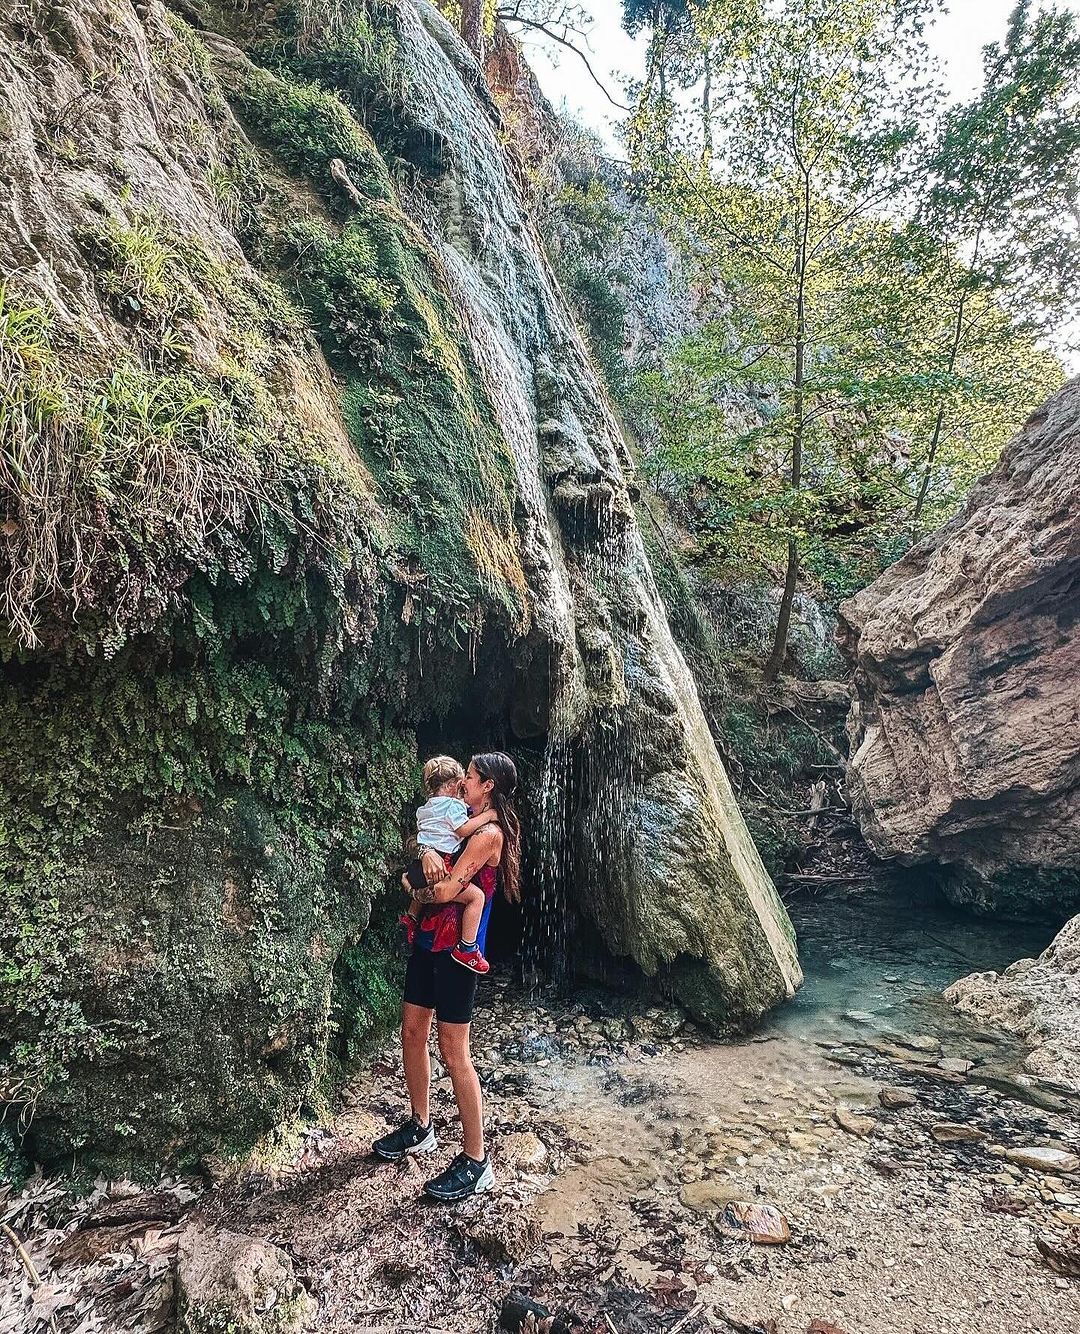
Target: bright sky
957,39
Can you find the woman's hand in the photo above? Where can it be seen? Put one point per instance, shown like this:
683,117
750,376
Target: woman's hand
433,866
446,891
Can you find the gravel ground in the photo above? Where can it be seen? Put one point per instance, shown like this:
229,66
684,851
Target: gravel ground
622,1143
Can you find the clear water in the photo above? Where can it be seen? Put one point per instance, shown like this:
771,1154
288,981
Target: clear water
876,964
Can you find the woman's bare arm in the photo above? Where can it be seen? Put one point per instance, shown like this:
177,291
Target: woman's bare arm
480,850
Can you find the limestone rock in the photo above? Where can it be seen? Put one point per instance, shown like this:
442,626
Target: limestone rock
710,1195
853,1123
228,1281
1061,1251
523,1150
1041,1159
479,543
1039,1001
952,1132
965,737
956,1065
763,1224
506,1235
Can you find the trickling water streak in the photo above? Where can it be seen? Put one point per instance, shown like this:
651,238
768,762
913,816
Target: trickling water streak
547,950
588,783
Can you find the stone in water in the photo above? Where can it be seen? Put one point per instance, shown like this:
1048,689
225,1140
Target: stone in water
760,1223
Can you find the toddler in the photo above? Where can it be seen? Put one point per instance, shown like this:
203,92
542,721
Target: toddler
443,824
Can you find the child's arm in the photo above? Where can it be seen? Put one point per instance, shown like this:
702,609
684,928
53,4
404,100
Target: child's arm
478,852
475,823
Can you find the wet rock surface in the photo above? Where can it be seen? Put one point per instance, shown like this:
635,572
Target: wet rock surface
1039,1001
965,736
482,482
627,1169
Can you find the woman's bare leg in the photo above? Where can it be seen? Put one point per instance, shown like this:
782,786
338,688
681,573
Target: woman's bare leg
454,1046
415,1031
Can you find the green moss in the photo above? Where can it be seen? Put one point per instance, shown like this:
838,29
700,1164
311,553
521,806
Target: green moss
357,58
414,408
183,820
306,127
583,231
14,1165
217,640
367,986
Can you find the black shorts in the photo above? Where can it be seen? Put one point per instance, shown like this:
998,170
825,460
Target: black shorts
435,982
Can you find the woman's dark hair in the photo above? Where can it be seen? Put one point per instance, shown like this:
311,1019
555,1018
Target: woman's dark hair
501,770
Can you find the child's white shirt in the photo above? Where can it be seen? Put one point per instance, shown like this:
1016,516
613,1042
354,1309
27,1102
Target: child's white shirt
436,821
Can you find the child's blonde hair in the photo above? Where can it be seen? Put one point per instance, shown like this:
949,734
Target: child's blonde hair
439,770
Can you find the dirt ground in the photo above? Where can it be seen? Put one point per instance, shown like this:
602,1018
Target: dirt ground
623,1144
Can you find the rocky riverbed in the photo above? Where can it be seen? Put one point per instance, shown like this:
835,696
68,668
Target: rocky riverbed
918,1197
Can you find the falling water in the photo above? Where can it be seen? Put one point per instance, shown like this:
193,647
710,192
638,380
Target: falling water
588,780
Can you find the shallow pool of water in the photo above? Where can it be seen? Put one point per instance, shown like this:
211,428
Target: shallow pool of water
877,963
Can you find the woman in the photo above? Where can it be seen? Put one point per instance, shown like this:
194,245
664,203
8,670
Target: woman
437,987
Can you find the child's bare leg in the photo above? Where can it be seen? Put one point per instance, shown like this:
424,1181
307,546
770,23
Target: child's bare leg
472,899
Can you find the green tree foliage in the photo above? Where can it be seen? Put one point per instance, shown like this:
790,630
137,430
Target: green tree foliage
868,357
819,105
1004,177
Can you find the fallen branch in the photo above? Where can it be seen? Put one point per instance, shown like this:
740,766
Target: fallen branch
27,1264
681,1324
800,875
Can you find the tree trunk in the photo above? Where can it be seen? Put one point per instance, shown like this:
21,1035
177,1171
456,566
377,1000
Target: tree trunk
791,579
783,621
706,111
924,485
472,26
935,439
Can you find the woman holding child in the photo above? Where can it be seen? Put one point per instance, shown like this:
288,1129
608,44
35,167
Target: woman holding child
447,926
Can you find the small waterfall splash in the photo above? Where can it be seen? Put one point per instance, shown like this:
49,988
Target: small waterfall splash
592,768
545,949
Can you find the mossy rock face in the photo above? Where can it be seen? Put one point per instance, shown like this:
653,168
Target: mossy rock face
221,629
305,433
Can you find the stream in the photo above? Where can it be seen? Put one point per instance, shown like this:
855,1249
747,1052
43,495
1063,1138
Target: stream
875,965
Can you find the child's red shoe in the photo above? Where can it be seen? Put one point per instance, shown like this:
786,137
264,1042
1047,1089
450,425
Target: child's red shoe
409,923
471,959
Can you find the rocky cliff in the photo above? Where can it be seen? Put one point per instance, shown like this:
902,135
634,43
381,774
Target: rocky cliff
302,454
965,736
1039,1001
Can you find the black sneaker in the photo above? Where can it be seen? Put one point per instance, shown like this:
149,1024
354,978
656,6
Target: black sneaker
409,1137
465,1176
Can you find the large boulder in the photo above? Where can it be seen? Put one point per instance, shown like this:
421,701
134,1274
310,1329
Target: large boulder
965,733
228,1281
1039,1001
311,458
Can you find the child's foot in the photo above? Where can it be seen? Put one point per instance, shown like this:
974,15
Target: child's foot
469,956
409,922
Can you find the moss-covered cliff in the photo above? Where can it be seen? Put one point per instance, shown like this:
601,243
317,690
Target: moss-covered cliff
293,425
